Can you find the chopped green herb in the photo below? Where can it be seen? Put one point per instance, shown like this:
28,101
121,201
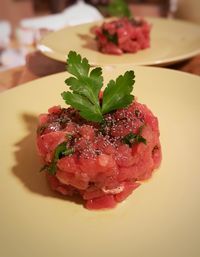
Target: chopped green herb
41,129
131,139
52,168
60,151
112,38
105,126
69,136
137,113
86,86
63,120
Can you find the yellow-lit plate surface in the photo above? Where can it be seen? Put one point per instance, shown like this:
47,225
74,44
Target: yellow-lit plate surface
161,218
171,41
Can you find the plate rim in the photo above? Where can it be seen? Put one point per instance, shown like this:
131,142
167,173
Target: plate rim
57,56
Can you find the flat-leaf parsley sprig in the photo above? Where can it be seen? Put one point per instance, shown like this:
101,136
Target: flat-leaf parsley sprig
119,8
86,85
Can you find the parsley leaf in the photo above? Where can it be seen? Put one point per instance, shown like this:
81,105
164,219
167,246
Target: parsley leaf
86,85
87,110
117,93
119,8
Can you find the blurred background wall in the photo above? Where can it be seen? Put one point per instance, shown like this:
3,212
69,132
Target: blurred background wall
15,10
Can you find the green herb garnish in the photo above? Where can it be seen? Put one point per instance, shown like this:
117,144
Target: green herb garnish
117,94
112,38
86,86
119,8
41,129
131,138
60,151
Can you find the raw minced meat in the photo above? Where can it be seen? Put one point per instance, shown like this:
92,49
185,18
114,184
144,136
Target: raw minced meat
101,162
123,36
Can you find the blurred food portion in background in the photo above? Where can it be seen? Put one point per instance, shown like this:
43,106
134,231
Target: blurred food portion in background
24,22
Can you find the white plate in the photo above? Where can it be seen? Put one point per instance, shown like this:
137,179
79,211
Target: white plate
171,41
161,218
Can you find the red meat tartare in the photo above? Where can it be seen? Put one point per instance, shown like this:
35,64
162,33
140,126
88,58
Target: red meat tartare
102,167
124,35
99,149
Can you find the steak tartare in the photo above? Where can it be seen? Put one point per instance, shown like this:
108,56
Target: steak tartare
107,161
124,35
104,144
